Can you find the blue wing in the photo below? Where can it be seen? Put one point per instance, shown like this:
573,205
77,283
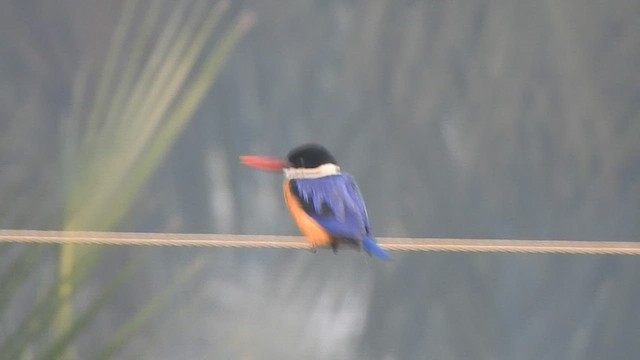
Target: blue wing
335,202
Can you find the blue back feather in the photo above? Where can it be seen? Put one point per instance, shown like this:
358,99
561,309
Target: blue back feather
336,204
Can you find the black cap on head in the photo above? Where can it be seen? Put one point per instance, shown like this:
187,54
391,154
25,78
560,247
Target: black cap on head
310,156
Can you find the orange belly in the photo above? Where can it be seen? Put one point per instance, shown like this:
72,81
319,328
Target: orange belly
315,234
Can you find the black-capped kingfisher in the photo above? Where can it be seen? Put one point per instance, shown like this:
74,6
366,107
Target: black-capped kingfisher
324,201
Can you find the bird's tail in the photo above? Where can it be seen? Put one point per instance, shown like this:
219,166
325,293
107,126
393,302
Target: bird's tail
372,248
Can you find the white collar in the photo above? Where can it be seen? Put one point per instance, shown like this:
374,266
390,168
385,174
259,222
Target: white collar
313,173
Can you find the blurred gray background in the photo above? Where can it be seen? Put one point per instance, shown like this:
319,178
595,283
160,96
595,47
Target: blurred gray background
467,118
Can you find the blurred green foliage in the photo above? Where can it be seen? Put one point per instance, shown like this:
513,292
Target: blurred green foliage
127,110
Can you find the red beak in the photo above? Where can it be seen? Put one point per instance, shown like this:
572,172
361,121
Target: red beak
264,163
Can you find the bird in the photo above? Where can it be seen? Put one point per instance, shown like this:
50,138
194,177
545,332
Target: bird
324,201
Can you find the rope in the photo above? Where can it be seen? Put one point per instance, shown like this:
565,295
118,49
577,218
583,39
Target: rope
297,242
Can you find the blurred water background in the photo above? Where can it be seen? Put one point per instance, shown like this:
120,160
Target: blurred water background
475,119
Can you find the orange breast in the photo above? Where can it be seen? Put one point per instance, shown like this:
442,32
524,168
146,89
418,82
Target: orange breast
315,234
